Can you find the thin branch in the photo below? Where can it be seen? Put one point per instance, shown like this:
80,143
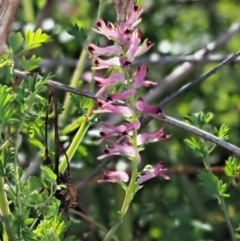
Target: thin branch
186,68
198,80
86,218
102,164
152,59
201,133
7,11
60,86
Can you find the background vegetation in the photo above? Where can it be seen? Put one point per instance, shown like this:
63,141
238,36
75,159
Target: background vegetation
180,208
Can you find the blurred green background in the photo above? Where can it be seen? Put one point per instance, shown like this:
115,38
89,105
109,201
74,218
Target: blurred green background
178,209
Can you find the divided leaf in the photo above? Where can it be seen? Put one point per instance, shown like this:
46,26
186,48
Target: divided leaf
34,40
15,41
77,32
31,63
212,184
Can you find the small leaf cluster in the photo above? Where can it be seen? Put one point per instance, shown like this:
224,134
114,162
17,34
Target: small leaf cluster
34,210
18,46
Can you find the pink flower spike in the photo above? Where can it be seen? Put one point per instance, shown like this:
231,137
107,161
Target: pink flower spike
109,108
104,64
158,170
155,112
124,150
111,176
111,80
122,95
106,51
155,136
147,44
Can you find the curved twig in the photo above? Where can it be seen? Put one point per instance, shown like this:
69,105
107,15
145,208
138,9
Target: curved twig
203,134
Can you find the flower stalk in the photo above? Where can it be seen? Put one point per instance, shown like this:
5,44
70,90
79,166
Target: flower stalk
121,88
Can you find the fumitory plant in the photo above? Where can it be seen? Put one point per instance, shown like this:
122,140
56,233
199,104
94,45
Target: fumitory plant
40,135
121,86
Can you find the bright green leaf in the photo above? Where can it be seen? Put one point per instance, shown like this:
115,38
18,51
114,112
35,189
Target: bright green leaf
31,63
48,174
15,41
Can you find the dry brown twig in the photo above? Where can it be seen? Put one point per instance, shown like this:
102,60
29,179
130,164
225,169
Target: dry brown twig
7,12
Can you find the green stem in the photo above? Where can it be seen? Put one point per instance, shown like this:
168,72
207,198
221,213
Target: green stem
74,83
229,224
16,174
131,190
74,145
5,212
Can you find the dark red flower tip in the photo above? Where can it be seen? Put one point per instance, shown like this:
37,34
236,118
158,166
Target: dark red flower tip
96,62
109,25
149,43
127,32
163,136
99,103
98,23
91,49
135,8
102,133
126,63
139,34
97,82
109,98
124,133
106,151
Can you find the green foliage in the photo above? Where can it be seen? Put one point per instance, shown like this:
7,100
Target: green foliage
222,133
213,185
15,41
232,167
198,146
34,40
79,33
199,119
30,64
6,107
81,103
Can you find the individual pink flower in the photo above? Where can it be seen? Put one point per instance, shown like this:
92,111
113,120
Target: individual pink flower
105,64
107,30
139,75
149,110
123,130
148,83
121,95
147,44
136,39
120,9
133,15
111,176
158,170
155,136
123,150
109,108
106,51
111,80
